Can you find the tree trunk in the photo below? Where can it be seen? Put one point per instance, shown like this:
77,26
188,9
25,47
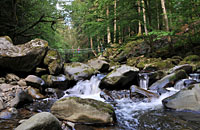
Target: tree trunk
144,17
115,21
165,18
91,46
139,23
108,27
120,35
158,16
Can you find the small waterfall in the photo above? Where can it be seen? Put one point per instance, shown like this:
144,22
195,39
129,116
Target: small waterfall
87,88
195,76
144,80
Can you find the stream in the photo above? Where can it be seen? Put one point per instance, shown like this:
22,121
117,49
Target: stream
131,114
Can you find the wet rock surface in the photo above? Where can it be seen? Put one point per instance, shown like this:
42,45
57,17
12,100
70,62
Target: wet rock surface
169,80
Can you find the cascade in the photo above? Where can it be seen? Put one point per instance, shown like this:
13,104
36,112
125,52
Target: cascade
144,80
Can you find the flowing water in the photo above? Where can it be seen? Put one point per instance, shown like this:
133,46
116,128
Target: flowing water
141,115
131,114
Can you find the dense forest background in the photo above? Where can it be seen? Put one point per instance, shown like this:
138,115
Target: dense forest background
101,23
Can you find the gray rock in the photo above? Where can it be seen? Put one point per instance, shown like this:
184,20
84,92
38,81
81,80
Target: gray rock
23,57
185,99
99,64
34,81
41,121
20,99
54,62
120,78
168,80
79,110
78,71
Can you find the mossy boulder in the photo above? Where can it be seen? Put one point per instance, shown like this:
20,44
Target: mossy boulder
24,57
99,64
186,67
88,111
192,58
54,62
185,99
168,80
121,77
153,64
79,71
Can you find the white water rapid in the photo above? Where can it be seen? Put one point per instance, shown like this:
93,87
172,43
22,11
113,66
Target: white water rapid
87,88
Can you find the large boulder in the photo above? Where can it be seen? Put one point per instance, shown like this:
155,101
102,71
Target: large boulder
54,62
168,80
41,121
186,99
78,71
79,110
23,57
34,81
120,78
99,64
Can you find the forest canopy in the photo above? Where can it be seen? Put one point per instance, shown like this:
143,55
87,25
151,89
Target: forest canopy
95,23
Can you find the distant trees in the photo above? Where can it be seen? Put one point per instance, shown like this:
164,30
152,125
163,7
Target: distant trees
113,21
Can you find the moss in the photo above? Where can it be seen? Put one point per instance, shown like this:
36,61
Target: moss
8,38
44,77
181,74
193,58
